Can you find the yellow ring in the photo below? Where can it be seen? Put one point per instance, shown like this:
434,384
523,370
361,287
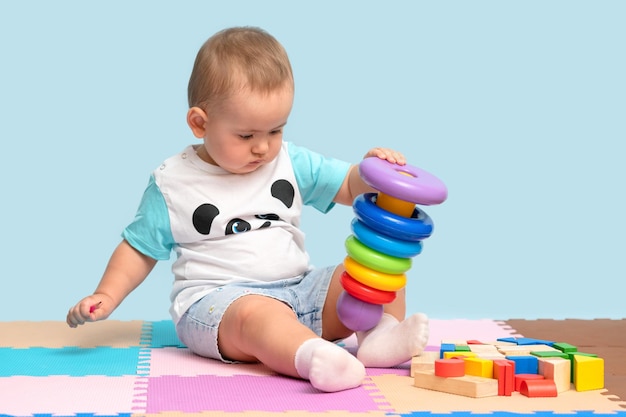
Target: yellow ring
372,278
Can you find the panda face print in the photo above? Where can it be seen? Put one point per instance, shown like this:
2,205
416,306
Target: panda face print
204,215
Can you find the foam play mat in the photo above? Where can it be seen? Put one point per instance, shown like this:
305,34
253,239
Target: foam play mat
140,368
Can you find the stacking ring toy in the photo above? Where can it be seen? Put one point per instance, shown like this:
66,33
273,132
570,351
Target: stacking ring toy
356,314
365,293
404,182
372,278
383,243
376,260
388,230
418,227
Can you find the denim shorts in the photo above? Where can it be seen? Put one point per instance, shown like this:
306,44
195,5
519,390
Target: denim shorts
306,295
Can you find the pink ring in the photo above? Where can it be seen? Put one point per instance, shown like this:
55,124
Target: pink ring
418,187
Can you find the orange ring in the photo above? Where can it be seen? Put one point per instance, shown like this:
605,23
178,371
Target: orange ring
372,278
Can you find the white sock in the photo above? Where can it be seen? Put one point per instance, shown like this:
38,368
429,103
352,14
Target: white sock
391,342
327,366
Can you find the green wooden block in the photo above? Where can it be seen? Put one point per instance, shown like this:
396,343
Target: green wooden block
550,354
462,348
565,347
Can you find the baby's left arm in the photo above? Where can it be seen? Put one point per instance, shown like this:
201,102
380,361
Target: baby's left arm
353,185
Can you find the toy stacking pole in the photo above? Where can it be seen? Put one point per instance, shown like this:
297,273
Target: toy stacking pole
388,230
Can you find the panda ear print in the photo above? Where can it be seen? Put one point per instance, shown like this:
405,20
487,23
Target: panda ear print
203,217
284,191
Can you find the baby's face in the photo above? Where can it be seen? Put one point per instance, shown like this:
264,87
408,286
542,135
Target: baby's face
246,131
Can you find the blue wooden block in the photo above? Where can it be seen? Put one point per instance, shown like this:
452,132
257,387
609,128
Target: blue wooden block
446,347
531,341
507,339
525,364
525,341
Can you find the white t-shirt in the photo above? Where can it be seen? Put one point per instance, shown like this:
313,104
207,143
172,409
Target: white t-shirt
227,228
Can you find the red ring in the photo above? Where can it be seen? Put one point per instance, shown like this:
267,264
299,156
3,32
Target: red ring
364,292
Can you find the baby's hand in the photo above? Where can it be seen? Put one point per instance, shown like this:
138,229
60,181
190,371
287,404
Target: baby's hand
93,308
390,155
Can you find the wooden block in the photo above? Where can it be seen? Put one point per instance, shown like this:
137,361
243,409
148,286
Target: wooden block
588,373
525,349
512,340
571,359
504,372
550,354
558,370
450,355
479,367
531,341
483,348
565,347
525,364
446,347
538,388
519,378
462,348
490,356
449,367
498,343
468,386
424,362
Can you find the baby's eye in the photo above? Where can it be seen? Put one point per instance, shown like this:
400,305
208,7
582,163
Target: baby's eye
246,136
276,132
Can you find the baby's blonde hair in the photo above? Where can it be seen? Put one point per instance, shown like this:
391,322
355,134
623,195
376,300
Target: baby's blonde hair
236,58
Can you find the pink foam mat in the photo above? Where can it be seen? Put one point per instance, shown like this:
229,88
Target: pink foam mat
65,395
171,380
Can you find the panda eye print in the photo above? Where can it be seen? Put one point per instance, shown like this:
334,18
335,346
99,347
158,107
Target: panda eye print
237,226
283,191
269,216
203,217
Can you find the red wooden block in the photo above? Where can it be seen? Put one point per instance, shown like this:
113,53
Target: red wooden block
538,388
474,342
449,367
519,378
504,372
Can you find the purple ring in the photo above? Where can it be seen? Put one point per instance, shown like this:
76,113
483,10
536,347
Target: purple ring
419,187
357,315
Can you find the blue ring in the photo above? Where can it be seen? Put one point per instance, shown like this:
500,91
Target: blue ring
419,226
385,244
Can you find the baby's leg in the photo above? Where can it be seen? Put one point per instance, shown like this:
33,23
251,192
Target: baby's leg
393,341
261,328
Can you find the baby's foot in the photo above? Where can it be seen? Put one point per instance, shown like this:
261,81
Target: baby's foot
328,367
391,343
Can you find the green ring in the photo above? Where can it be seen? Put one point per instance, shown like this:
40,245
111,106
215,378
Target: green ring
375,260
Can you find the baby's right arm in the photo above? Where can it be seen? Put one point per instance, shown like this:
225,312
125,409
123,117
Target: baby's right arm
127,269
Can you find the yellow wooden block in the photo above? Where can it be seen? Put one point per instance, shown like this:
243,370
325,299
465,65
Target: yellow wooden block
479,367
468,385
424,362
588,373
557,369
448,355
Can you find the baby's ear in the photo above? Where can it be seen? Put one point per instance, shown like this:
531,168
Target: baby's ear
196,119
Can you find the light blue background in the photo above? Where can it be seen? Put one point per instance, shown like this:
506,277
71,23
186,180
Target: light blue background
520,107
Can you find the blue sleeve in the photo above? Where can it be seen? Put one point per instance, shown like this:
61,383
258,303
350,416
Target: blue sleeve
319,178
150,232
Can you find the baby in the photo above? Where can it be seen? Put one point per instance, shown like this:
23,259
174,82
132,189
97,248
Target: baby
230,208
